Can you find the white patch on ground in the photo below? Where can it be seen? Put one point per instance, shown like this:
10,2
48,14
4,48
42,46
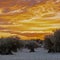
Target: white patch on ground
40,54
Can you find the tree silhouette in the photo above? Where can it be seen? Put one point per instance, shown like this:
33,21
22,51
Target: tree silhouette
10,44
32,45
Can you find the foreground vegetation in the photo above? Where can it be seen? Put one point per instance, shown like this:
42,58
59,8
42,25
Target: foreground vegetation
52,42
10,44
14,43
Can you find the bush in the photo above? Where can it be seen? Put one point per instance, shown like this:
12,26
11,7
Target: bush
57,40
47,43
10,44
52,42
32,45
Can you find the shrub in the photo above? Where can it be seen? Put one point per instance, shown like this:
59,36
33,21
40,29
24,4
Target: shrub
47,43
32,45
57,40
10,44
52,42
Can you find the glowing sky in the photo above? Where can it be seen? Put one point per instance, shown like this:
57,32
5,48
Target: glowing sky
29,16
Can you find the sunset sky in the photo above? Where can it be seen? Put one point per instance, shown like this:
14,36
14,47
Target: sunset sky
29,18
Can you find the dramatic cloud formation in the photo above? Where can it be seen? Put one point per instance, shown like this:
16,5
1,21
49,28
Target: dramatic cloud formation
23,17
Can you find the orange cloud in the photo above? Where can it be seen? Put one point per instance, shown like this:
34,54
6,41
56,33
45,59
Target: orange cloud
22,17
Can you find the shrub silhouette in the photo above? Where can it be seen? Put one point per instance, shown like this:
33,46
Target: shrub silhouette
10,44
32,45
48,44
57,40
53,43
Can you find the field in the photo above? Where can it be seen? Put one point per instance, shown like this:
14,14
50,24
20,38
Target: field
24,54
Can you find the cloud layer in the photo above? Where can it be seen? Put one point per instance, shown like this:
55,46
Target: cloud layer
29,16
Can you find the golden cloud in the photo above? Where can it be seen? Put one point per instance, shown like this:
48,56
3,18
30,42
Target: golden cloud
19,17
